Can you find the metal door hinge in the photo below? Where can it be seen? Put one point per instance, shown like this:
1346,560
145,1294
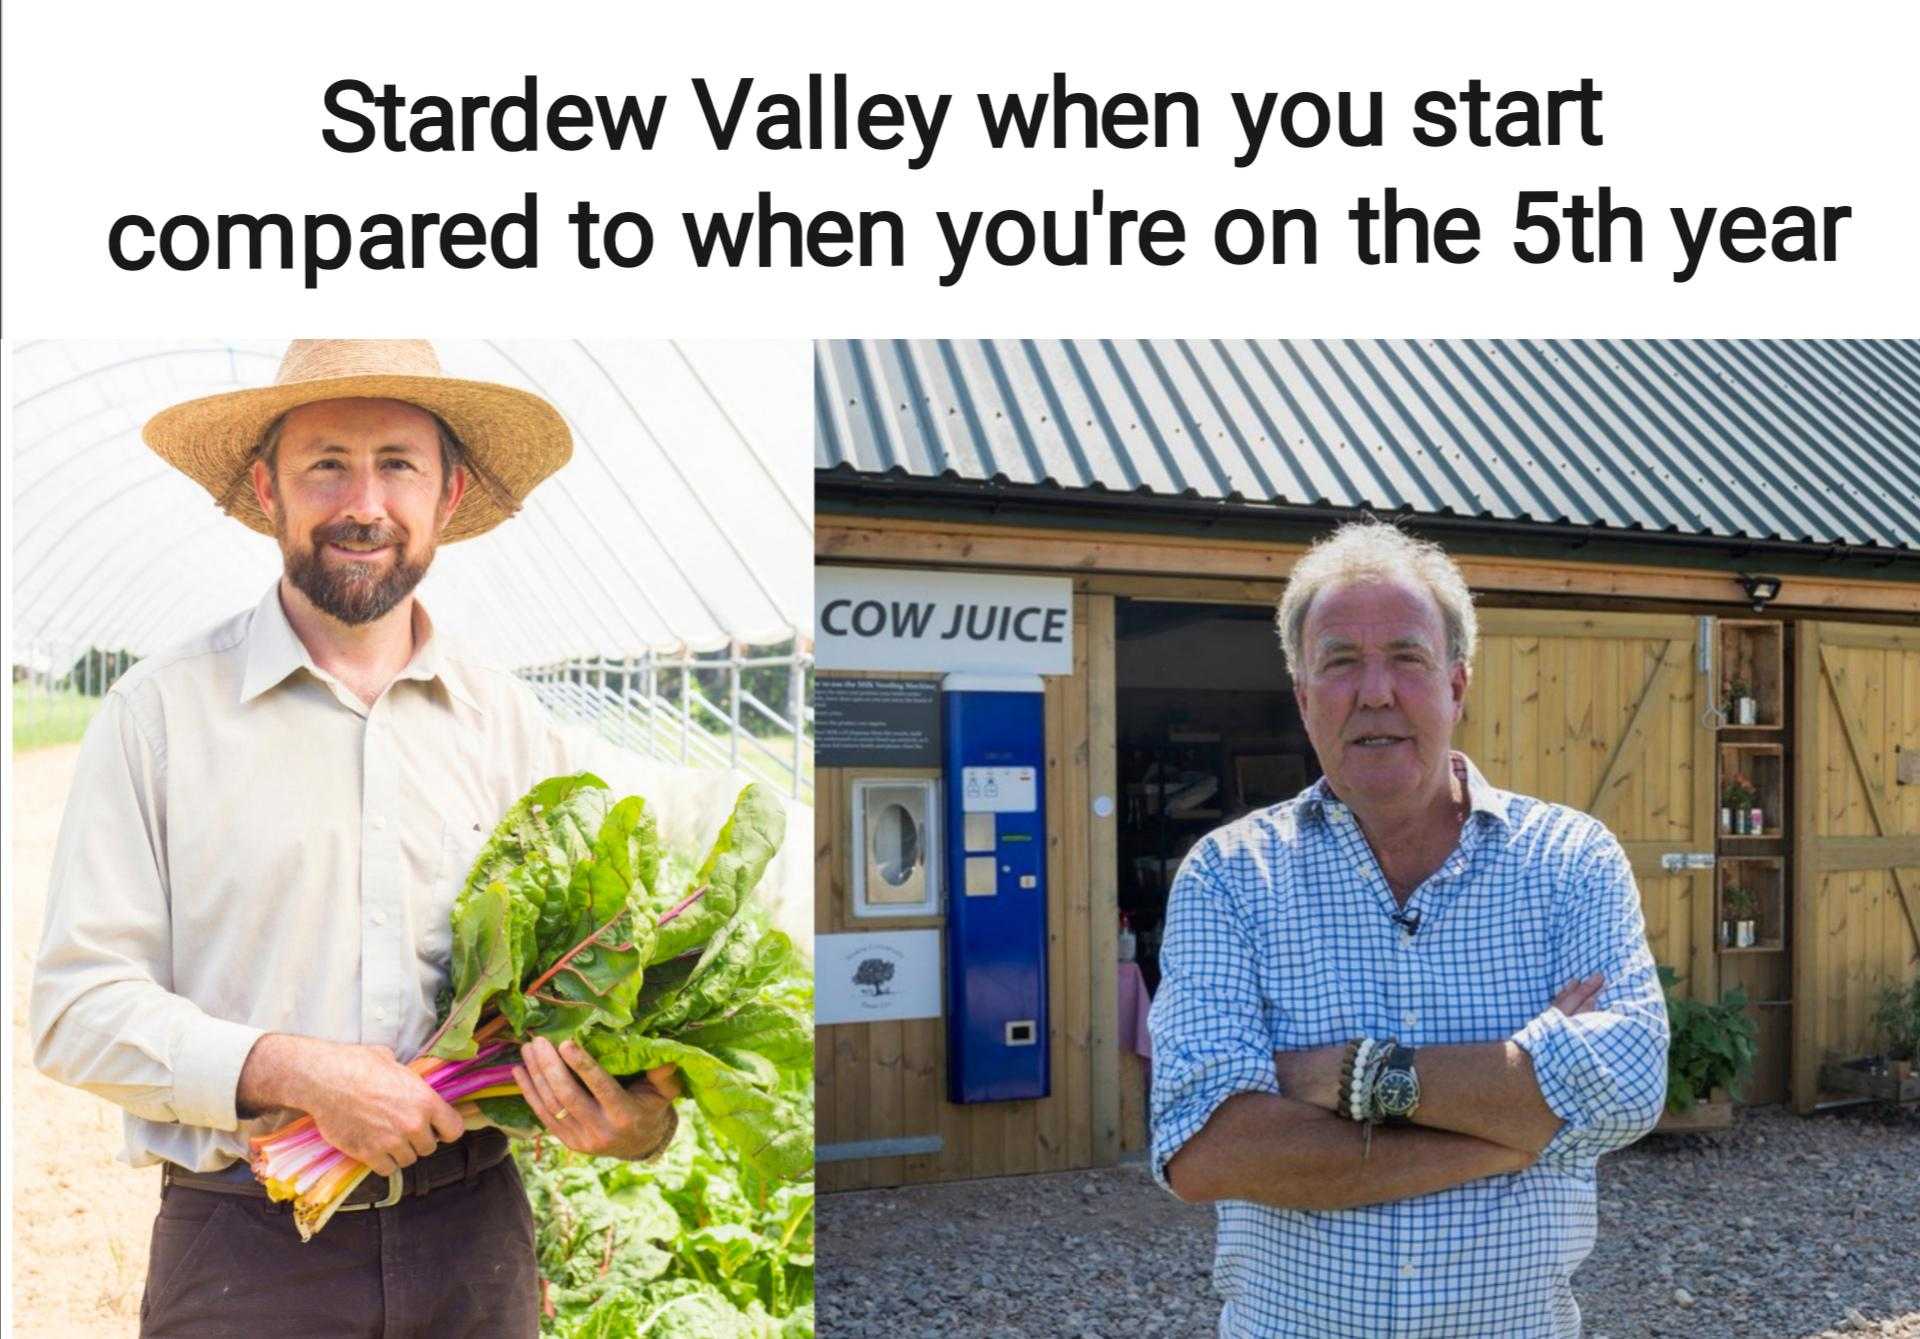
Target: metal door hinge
1676,862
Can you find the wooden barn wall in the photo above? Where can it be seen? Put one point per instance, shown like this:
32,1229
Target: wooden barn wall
1186,556
1857,875
1604,712
1601,712
888,1080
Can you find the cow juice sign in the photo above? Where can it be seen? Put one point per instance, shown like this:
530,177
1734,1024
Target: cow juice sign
889,619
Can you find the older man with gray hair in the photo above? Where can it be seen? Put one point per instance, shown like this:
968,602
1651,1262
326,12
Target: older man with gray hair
1403,1013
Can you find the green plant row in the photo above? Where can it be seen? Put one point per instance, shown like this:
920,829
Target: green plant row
696,1244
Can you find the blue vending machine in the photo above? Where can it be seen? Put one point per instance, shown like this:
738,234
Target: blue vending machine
994,746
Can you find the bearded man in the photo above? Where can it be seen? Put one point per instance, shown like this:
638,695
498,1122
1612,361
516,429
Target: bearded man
1401,1015
248,912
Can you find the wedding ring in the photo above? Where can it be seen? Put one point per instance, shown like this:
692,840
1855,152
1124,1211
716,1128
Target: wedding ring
559,1113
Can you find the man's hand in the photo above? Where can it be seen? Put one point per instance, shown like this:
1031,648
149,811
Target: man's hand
586,1108
367,1104
1578,997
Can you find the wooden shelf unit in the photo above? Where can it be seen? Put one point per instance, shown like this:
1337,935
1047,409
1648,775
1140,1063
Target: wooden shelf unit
1750,650
1764,766
1766,878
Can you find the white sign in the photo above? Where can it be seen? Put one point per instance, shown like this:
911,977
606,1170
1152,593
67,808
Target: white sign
999,790
889,619
876,978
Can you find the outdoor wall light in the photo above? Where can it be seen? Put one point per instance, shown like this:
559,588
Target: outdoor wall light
1760,589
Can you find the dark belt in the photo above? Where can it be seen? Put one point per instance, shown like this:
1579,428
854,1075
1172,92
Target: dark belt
460,1161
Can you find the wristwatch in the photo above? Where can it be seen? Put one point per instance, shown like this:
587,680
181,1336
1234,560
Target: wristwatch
1396,1095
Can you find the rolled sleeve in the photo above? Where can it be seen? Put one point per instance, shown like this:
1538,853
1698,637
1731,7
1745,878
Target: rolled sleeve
1604,1072
1210,1039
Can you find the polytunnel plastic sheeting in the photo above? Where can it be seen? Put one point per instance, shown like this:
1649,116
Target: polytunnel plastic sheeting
682,520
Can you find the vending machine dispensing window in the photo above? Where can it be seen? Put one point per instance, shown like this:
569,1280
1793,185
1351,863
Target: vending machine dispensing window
896,868
994,757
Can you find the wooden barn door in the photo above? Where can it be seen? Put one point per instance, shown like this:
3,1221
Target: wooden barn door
1603,712
1857,862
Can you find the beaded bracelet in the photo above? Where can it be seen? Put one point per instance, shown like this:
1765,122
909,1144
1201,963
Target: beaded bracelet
1347,1068
1354,1099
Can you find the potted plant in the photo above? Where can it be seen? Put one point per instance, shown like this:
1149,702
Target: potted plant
1736,794
1711,1050
1740,695
1896,1021
1739,908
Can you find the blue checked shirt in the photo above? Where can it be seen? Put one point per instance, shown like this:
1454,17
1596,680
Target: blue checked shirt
1280,937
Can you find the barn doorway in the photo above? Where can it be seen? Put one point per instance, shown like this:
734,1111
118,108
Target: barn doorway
1207,730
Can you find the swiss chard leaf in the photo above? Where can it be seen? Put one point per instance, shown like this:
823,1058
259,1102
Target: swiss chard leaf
564,880
741,959
738,858
484,963
571,900
733,1069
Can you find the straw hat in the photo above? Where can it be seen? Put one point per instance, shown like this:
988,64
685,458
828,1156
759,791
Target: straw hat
514,439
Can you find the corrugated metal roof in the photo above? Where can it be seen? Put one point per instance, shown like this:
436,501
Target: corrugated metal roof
1803,441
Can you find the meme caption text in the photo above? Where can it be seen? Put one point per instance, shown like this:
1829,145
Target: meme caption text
1583,223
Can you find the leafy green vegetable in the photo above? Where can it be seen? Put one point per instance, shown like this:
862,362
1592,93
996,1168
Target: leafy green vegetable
732,1067
697,1244
567,878
572,924
721,885
564,911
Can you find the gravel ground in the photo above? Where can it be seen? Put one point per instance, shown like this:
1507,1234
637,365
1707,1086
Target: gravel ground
1784,1227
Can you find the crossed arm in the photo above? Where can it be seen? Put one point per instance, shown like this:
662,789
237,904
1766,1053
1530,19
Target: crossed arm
1233,1121
1481,1113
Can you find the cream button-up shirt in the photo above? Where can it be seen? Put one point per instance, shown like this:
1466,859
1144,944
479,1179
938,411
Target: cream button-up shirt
249,847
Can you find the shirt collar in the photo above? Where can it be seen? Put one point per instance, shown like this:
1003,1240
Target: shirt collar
275,651
1483,797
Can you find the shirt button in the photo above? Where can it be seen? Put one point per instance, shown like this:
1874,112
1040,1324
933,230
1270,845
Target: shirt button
1409,1018
380,823
380,1016
1406,1269
379,918
1406,939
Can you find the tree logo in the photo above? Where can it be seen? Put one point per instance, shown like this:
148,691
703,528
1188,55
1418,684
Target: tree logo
874,973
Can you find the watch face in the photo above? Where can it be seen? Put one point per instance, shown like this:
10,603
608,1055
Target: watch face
1397,1092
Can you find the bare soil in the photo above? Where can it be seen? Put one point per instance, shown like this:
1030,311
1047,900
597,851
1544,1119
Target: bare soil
80,1217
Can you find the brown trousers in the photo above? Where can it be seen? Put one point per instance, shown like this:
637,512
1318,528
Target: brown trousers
455,1264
